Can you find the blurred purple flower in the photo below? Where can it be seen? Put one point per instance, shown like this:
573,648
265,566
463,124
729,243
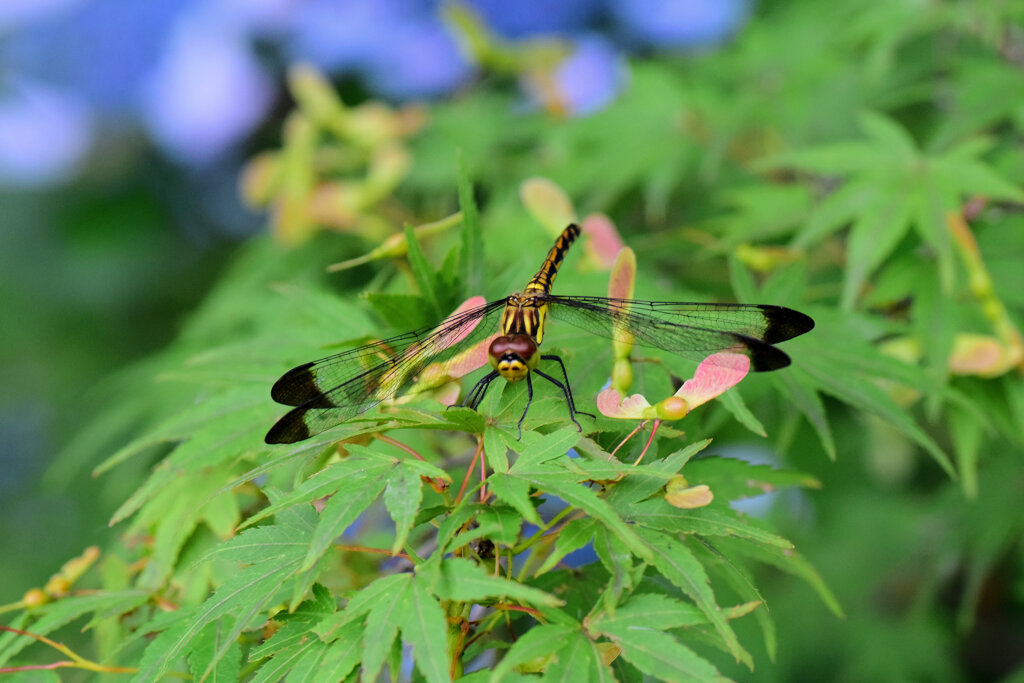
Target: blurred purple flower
755,506
44,133
678,23
263,17
345,34
99,49
401,47
581,557
187,68
531,17
207,91
585,82
19,13
422,61
592,77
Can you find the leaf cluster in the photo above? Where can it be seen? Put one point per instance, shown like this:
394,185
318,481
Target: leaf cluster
832,160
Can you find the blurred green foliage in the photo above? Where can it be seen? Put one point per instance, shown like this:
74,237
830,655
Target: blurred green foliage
858,161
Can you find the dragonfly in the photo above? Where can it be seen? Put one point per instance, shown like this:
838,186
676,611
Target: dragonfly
330,391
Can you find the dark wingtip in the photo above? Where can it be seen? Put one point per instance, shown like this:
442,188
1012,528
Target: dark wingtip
289,429
763,356
767,358
785,323
295,387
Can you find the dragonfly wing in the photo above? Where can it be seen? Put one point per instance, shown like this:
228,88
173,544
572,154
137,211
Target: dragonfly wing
301,423
693,330
334,389
768,323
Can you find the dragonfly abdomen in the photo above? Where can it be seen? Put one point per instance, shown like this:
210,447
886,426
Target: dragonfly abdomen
545,277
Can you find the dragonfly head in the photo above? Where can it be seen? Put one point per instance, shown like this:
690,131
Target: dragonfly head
513,356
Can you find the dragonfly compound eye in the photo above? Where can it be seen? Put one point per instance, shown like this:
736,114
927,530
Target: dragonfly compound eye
513,356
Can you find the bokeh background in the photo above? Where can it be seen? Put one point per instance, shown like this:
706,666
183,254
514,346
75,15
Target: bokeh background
130,143
124,127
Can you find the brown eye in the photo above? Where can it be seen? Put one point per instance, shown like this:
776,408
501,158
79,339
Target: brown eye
514,344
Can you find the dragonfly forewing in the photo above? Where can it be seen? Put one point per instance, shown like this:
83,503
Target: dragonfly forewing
768,323
334,389
693,330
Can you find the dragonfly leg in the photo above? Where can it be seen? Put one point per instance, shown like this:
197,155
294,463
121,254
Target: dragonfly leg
529,400
476,394
565,389
568,397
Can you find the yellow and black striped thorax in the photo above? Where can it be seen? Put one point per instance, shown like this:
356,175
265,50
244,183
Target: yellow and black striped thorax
523,313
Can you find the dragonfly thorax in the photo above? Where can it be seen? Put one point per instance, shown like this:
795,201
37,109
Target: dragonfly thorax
513,356
524,315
